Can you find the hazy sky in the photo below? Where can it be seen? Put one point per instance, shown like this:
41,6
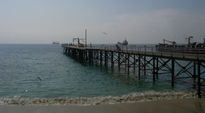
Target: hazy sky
107,21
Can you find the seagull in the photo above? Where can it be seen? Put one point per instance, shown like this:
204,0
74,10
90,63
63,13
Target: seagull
105,33
39,78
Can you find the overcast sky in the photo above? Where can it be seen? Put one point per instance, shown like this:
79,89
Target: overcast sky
107,21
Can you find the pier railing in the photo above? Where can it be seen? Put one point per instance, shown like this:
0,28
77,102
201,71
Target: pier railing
127,48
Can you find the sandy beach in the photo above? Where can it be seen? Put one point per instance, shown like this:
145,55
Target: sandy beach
166,106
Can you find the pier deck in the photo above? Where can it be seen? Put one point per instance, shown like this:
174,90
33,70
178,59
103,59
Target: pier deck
184,56
184,67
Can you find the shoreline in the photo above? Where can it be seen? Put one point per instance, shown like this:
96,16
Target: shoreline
163,106
87,101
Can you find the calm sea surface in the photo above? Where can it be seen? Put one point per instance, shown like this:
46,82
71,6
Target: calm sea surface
44,71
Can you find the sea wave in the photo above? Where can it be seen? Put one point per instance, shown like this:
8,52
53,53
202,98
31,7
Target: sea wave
130,98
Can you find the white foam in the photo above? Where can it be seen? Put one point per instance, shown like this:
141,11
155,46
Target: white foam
130,98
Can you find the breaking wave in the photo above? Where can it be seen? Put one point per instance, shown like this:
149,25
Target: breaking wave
130,98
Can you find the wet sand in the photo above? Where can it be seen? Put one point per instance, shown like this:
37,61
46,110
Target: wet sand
168,106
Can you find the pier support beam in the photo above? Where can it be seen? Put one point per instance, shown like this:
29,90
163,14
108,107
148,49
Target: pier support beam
157,68
119,54
139,67
199,80
125,61
101,58
128,63
90,57
112,60
172,72
144,65
134,63
194,74
97,57
154,68
86,55
81,56
106,59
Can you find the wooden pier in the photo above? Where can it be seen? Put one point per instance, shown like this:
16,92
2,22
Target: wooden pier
183,67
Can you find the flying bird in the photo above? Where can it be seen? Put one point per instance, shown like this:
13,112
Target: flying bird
104,33
39,78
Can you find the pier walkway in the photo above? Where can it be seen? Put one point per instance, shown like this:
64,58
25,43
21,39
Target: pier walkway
188,68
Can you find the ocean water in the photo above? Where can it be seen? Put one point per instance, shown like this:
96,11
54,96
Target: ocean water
43,71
